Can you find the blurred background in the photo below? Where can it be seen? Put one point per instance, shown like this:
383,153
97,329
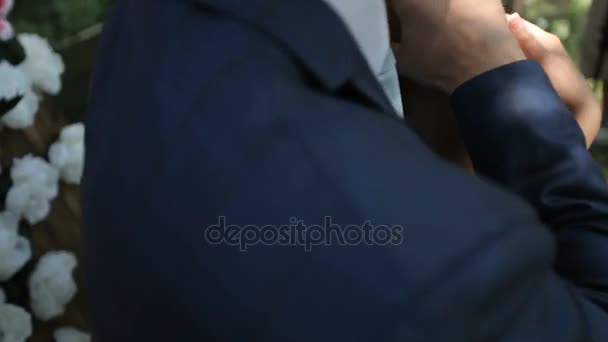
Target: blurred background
72,28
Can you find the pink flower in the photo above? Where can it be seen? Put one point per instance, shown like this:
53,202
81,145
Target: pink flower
6,29
5,7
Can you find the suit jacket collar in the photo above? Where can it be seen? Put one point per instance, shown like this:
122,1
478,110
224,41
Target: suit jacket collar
315,35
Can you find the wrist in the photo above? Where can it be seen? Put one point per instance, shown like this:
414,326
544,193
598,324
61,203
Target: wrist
492,58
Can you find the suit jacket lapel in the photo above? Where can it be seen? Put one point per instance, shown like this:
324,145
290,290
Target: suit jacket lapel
367,83
315,36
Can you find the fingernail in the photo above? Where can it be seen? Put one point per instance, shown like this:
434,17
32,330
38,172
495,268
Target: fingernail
516,23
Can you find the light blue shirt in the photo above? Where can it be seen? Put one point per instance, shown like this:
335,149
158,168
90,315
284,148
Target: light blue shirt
389,79
368,23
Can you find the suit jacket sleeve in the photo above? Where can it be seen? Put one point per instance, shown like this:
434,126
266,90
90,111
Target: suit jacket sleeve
520,135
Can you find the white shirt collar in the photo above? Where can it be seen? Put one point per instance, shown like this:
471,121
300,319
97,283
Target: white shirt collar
368,23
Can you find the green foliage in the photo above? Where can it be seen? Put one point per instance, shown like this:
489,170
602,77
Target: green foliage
601,156
565,18
57,19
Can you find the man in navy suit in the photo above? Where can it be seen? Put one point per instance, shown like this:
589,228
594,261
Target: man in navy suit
225,117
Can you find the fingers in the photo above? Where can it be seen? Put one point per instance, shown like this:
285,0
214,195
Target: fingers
527,35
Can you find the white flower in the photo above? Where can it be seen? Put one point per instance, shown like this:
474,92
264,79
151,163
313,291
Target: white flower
34,186
69,334
67,154
14,81
52,285
40,72
15,250
9,221
42,65
15,323
73,133
22,116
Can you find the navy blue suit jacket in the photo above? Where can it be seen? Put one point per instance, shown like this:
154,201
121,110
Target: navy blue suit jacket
261,111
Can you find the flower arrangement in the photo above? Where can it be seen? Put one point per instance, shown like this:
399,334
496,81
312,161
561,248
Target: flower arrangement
30,70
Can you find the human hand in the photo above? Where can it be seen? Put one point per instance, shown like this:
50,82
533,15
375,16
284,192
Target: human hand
444,43
547,49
